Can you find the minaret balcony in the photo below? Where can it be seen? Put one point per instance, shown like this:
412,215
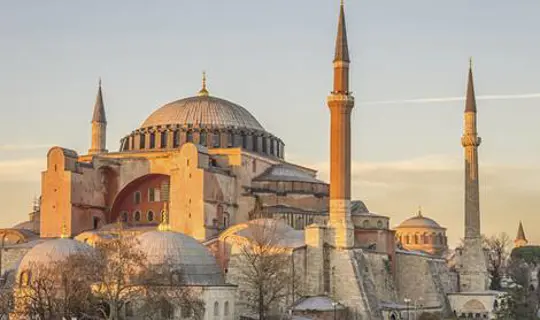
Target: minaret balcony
471,141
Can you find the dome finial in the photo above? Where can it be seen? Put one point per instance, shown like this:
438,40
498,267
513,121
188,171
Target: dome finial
420,211
64,234
203,91
164,225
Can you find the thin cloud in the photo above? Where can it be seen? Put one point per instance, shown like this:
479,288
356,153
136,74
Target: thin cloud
453,99
17,147
22,169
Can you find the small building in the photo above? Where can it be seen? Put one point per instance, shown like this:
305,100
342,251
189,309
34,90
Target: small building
421,233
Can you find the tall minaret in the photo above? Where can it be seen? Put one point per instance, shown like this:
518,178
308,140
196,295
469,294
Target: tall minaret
99,126
341,103
473,273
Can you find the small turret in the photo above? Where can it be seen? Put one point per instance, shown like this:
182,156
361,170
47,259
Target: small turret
521,240
99,125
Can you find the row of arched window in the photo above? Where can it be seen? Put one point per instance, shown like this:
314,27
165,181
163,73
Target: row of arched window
154,195
155,139
137,216
434,239
217,311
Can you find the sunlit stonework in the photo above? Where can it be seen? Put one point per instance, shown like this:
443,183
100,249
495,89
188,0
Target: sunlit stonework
201,179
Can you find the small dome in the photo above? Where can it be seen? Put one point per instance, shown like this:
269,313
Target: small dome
203,111
52,251
420,221
194,260
286,236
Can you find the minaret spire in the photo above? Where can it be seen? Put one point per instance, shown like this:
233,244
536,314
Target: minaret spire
521,240
470,104
99,125
473,274
341,103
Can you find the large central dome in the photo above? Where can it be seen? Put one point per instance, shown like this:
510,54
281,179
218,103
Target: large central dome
204,120
203,111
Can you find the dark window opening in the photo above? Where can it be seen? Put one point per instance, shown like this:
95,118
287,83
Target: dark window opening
176,139
142,142
152,140
163,143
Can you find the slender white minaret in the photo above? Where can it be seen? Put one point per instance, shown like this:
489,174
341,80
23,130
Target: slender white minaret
99,126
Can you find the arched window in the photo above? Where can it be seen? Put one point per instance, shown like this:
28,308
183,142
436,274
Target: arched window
142,141
215,139
216,309
264,145
152,140
137,216
416,239
124,216
129,309
163,143
226,220
167,310
407,239
176,138
255,143
379,224
365,224
244,140
137,197
95,223
203,140
132,142
189,136
230,138
150,216
226,308
151,195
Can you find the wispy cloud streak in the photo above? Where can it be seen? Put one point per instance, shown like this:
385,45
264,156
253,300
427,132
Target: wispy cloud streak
453,99
17,147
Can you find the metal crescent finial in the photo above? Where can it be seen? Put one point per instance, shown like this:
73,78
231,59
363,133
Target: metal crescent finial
470,62
203,91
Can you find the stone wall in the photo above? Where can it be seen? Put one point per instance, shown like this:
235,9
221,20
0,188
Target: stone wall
380,269
358,295
424,279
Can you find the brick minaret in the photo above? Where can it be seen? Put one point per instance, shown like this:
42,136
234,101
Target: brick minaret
99,126
341,103
473,274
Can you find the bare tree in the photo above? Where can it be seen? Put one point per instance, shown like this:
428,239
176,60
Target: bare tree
165,288
498,250
60,289
264,267
118,268
6,302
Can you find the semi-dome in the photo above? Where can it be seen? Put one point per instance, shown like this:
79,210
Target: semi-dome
52,251
203,111
195,262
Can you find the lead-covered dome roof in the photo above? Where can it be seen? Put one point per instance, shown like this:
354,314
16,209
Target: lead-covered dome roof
195,262
203,111
420,221
52,251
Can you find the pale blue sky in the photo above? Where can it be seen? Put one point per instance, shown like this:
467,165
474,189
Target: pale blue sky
274,58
